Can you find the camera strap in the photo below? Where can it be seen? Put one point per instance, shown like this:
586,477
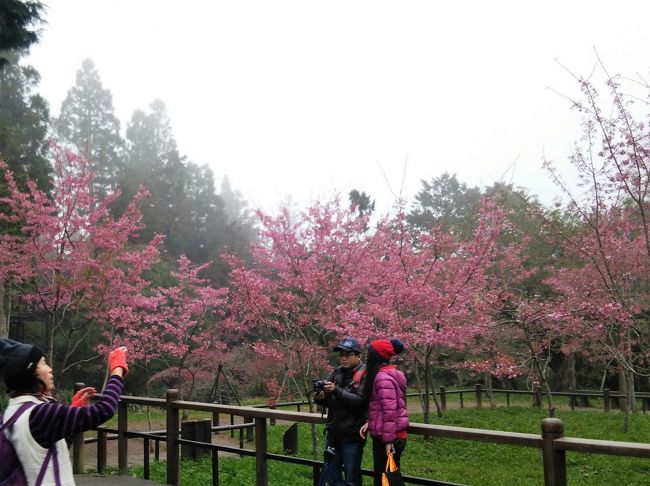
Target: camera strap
357,376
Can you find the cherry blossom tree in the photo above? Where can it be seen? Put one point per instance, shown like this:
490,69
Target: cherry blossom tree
424,287
327,275
287,301
68,256
522,336
179,325
606,292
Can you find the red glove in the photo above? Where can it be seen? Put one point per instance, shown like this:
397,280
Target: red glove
82,397
117,359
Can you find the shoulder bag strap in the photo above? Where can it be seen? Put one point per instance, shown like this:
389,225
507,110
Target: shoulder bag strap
50,452
16,415
53,455
41,473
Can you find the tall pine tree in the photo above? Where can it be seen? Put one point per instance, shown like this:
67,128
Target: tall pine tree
24,122
87,120
19,20
183,205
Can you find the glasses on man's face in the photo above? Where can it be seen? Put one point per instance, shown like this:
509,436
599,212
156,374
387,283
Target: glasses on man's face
346,354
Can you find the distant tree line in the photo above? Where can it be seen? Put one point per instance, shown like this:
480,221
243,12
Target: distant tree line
198,219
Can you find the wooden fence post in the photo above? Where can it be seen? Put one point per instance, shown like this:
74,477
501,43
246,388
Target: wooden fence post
215,420
607,402
173,423
271,421
260,452
249,430
478,395
78,445
214,456
122,439
443,399
102,443
554,459
145,465
315,473
241,438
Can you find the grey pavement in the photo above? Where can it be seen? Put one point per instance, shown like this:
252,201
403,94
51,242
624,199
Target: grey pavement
91,480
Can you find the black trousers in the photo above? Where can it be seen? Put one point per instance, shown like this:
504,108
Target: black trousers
379,457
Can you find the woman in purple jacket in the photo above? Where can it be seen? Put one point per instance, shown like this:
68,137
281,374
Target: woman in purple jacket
387,414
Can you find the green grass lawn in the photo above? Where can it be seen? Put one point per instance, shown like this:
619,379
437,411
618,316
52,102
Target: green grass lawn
464,462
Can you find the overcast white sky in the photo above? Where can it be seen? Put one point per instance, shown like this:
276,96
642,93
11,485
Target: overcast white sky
306,98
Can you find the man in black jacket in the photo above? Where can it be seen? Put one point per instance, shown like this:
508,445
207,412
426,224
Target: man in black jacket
347,410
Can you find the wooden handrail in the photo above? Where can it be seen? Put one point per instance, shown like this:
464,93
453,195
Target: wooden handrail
612,448
551,441
479,435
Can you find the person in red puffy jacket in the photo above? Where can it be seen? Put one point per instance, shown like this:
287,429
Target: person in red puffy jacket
387,414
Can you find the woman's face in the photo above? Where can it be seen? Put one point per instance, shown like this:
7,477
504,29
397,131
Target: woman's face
44,373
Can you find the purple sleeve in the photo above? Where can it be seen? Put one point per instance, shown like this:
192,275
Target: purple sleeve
51,422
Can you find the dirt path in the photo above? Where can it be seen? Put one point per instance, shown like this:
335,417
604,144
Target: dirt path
136,447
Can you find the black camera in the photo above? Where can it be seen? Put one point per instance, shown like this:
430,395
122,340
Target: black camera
318,385
329,453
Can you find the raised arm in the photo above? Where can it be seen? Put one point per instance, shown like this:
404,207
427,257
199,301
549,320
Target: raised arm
51,422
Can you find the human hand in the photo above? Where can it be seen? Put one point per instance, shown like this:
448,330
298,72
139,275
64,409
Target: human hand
117,360
363,430
329,387
390,448
319,395
82,397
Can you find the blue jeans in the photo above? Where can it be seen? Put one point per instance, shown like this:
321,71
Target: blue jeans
345,463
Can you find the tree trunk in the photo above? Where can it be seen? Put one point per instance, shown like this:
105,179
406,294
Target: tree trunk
426,401
4,310
487,378
49,339
623,391
306,395
431,386
418,382
540,371
543,384
303,372
571,377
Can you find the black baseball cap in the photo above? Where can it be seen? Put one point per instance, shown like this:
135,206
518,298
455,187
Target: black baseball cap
348,344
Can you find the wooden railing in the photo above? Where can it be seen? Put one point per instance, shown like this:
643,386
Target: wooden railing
607,396
551,441
478,393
